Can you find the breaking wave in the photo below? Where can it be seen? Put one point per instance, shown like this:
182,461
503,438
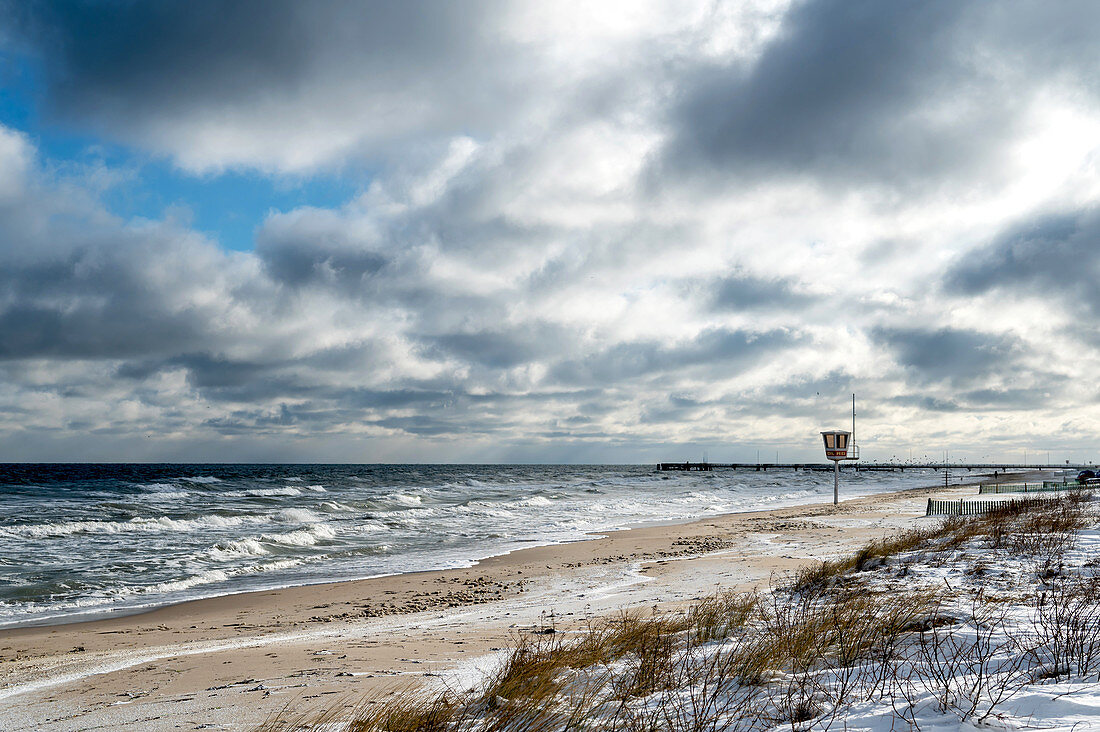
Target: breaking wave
142,525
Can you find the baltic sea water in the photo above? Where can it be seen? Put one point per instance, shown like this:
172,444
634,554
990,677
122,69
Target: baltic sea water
87,540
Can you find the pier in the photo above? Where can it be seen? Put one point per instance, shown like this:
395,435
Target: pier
865,467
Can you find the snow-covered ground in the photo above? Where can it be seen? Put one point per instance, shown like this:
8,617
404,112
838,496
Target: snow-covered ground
999,630
1024,653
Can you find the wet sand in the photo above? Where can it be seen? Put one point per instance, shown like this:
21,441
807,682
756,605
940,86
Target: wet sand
232,662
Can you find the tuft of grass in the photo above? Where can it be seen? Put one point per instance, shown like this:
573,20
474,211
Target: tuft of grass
411,711
718,615
287,721
818,577
537,663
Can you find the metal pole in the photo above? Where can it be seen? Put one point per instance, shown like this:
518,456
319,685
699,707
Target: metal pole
836,482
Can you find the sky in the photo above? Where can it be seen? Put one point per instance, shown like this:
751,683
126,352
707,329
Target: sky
621,232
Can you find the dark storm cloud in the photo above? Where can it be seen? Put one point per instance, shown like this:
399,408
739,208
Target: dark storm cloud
895,93
297,264
219,379
992,399
94,303
222,379
672,409
387,259
989,399
810,387
324,417
950,353
165,57
423,425
927,403
836,92
742,291
720,348
143,71
1057,256
437,413
500,348
206,371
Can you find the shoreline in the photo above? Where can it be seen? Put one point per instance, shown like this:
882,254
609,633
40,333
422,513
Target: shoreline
122,613
270,645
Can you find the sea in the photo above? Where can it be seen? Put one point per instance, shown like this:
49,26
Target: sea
87,540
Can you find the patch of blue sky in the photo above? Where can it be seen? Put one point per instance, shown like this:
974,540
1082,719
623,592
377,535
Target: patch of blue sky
17,91
228,206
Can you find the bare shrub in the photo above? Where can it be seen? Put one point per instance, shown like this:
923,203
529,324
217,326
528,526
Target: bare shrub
1066,627
970,668
709,696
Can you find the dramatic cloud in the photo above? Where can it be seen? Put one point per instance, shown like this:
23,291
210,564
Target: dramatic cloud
745,292
950,353
1054,256
282,86
729,350
572,231
896,94
214,85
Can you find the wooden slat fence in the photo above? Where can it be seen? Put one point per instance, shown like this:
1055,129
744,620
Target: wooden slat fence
1046,485
962,507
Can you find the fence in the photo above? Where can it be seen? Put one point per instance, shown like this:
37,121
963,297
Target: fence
1046,485
969,508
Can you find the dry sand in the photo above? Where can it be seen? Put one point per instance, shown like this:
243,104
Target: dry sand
234,661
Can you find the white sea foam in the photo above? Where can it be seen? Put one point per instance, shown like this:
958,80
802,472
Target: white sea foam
297,516
481,508
160,487
236,549
203,578
409,516
164,491
111,596
139,524
336,506
203,479
302,537
264,492
535,501
316,488
188,524
405,499
212,576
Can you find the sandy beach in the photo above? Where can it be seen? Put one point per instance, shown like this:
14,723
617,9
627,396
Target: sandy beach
232,662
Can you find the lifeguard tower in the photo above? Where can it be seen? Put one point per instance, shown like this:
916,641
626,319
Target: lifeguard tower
841,445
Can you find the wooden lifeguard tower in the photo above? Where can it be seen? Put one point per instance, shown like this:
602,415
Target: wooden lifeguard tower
841,445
